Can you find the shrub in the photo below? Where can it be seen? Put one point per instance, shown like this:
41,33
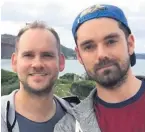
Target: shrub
63,81
62,90
8,88
82,88
8,77
9,82
70,77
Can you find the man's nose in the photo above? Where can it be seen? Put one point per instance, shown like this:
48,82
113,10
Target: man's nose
101,52
37,63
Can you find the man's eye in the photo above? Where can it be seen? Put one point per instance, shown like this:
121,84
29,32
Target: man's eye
47,55
88,47
28,55
111,41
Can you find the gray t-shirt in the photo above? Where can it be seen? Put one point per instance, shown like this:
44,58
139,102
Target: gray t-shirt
26,125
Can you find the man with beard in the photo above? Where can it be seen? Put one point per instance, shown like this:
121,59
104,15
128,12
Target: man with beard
37,60
105,47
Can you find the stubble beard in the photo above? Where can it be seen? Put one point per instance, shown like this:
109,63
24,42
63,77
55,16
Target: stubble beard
41,91
110,78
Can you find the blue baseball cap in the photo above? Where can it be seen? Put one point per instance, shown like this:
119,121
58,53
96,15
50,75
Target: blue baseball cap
102,10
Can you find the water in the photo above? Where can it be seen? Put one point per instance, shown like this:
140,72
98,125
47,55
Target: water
73,66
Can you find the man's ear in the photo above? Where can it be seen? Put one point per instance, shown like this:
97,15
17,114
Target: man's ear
131,44
61,62
14,62
78,55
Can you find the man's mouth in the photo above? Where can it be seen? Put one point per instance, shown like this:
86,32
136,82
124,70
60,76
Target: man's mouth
103,67
38,74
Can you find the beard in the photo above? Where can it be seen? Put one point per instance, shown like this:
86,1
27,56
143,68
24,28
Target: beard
45,90
110,77
41,91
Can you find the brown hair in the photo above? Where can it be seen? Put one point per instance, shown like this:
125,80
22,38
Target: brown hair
34,25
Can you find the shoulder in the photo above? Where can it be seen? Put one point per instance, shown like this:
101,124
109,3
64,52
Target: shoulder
3,125
68,102
7,101
4,101
9,97
73,100
66,124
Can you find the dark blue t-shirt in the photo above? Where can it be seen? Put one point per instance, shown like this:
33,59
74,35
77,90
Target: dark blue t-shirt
26,125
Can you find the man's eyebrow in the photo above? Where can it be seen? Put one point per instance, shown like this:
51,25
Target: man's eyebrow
112,35
27,52
48,53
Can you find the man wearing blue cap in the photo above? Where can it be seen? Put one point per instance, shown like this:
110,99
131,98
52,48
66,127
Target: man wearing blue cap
105,47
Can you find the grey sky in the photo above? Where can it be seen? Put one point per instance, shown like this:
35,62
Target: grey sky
61,13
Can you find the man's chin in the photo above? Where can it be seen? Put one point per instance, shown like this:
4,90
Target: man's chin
37,89
110,81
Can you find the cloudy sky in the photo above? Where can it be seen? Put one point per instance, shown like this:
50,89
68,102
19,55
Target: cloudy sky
61,13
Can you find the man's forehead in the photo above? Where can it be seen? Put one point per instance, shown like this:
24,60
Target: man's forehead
99,23
37,48
97,27
37,37
36,51
37,34
32,33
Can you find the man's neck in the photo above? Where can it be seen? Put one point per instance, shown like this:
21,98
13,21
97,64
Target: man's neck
35,108
125,91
